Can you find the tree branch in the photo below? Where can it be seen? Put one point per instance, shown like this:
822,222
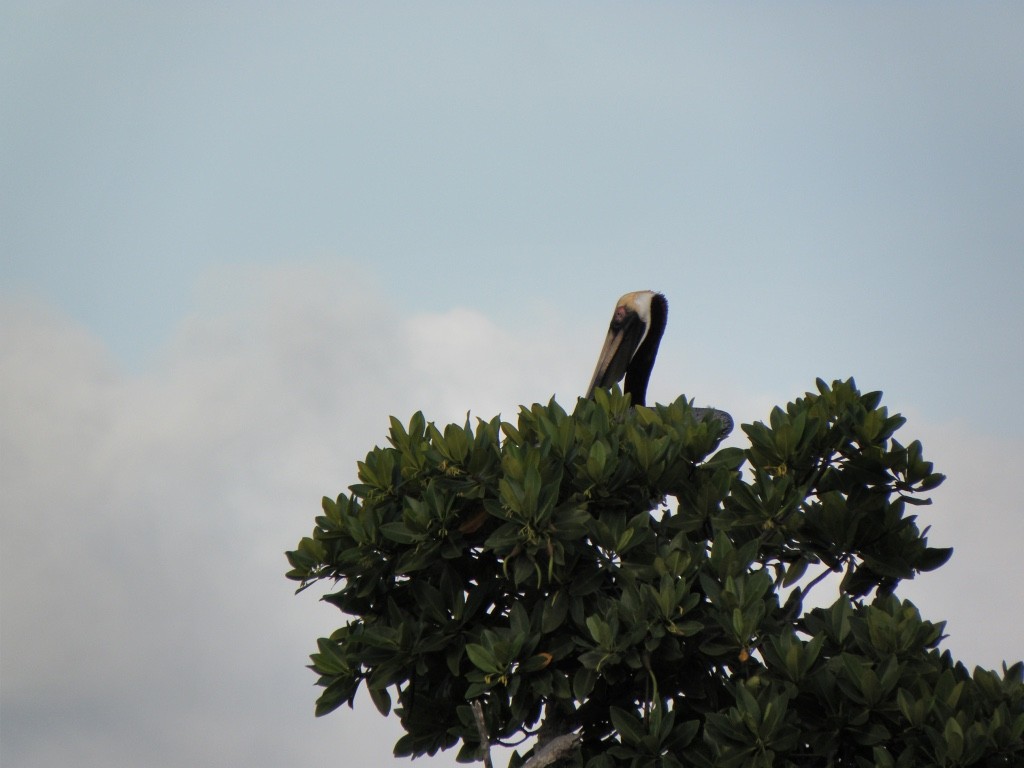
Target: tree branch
554,750
816,580
481,727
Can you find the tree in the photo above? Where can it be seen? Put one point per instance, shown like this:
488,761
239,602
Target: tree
605,582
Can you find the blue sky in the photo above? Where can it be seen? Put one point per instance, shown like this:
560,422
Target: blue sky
234,238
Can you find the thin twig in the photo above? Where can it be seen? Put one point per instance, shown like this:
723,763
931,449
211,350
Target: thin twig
817,579
481,727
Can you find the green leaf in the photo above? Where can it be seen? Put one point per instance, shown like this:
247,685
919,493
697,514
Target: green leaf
381,699
554,612
726,458
596,461
399,532
483,658
932,558
954,737
600,630
794,572
330,660
334,695
630,728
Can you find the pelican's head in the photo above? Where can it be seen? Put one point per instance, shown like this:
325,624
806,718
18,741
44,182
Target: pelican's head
632,344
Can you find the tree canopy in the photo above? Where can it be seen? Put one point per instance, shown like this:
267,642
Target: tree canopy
610,579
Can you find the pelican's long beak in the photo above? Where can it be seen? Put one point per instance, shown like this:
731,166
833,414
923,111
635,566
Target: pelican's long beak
625,334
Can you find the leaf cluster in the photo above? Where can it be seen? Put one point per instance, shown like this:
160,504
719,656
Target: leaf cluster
609,572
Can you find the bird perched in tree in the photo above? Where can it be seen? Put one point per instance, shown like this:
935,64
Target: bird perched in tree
632,345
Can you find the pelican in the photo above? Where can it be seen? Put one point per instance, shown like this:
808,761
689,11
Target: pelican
630,348
632,344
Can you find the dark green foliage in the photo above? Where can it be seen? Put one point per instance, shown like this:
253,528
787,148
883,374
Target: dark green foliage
602,572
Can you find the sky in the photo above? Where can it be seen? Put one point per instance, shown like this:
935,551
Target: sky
236,237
